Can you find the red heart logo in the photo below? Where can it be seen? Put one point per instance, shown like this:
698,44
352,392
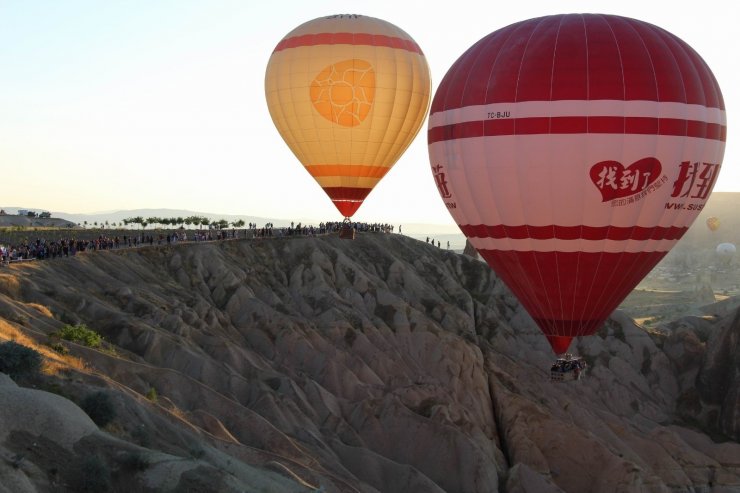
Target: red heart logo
615,181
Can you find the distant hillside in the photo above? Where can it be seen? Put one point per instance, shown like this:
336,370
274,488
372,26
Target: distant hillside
726,207
694,257
119,216
379,365
7,220
445,226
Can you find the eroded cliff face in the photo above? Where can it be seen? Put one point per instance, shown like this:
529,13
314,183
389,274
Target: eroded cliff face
381,364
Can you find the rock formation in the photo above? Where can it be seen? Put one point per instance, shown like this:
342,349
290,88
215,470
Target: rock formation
470,250
375,365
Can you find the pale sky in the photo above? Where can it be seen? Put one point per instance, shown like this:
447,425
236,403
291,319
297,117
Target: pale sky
160,104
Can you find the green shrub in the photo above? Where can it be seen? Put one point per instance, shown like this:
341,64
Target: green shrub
92,476
135,461
196,451
80,334
152,394
18,360
59,348
350,336
99,407
142,436
55,388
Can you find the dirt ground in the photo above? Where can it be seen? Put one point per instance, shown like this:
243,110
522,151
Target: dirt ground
673,290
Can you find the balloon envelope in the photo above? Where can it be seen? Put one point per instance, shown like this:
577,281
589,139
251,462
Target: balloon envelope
713,223
574,151
348,94
726,250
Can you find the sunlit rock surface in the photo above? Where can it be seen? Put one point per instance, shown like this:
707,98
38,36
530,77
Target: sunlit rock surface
376,365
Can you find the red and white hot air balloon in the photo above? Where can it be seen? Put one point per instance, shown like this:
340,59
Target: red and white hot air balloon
574,151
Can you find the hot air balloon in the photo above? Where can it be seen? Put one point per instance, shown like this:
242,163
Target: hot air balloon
348,94
713,223
574,151
726,250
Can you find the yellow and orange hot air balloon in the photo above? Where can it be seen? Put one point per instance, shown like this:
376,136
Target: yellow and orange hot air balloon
348,94
713,223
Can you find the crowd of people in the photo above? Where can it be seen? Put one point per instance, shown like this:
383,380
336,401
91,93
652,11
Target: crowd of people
439,244
299,229
44,248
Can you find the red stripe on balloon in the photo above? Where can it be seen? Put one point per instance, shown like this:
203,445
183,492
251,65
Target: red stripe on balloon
347,199
380,40
570,294
578,56
579,125
615,233
347,208
347,193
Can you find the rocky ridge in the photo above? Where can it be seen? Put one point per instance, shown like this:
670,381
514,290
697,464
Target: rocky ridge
378,365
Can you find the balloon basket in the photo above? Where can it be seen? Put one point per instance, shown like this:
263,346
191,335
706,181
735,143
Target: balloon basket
568,368
347,232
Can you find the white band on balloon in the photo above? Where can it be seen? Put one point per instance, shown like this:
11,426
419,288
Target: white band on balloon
578,108
579,245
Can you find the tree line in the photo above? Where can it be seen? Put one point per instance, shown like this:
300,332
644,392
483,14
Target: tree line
183,221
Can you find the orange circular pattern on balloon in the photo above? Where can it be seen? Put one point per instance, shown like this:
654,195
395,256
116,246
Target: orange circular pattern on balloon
344,91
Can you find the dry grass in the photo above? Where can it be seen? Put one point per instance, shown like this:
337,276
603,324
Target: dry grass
11,333
176,411
54,363
44,311
9,285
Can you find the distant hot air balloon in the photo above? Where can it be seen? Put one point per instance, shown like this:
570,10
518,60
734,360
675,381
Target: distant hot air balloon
348,94
713,223
574,151
726,250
